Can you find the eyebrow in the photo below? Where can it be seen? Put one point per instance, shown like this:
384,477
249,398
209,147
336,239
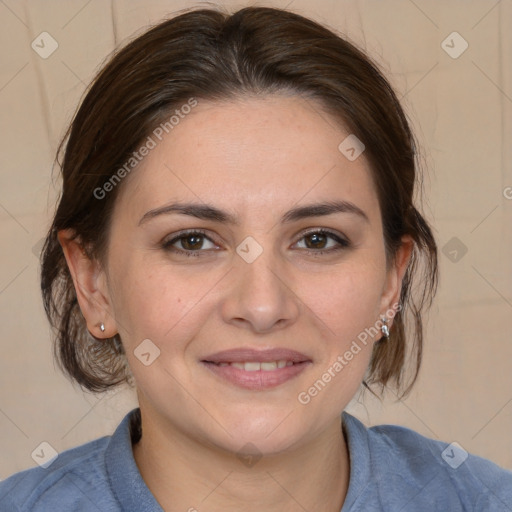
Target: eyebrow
208,212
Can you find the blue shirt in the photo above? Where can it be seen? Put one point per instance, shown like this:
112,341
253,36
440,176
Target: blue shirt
392,469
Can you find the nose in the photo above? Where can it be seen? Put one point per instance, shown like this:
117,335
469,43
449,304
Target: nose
260,294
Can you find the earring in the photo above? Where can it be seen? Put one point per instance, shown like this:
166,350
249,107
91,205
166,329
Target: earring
384,328
102,327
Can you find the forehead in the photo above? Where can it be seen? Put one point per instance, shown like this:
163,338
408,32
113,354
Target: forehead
257,154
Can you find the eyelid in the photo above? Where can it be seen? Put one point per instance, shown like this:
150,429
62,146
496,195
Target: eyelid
168,241
325,231
342,241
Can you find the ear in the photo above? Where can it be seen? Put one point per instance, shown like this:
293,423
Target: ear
90,285
395,275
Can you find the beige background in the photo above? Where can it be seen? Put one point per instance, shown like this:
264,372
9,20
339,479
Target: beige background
461,109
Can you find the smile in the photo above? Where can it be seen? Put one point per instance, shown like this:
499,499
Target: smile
254,366
256,369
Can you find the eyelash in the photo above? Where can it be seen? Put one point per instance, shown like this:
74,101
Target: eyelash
343,243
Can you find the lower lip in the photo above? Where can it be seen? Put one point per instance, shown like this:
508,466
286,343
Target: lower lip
257,380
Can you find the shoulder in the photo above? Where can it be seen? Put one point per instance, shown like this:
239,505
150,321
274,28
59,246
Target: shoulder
75,480
404,460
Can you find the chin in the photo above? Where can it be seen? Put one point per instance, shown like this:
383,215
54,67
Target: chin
270,434
243,444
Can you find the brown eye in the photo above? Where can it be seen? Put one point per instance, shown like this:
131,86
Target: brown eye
316,241
191,243
319,242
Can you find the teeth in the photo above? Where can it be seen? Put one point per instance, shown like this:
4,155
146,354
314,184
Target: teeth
254,366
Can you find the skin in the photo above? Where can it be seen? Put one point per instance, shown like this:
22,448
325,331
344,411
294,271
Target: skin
255,158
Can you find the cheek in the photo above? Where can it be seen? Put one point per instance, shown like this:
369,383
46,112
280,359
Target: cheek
347,303
347,299
156,302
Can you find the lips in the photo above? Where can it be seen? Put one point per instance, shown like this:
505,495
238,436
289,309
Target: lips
247,355
254,366
257,369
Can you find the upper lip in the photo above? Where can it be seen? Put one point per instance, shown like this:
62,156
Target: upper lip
239,355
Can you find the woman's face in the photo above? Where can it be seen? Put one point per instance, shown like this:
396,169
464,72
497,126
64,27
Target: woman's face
255,278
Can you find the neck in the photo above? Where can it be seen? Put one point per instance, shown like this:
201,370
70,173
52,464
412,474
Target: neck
185,474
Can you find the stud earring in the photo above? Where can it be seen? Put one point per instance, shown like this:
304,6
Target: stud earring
102,327
384,328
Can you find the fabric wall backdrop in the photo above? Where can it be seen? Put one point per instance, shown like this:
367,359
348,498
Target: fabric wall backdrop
461,108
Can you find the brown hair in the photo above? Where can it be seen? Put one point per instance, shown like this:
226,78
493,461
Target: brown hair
207,54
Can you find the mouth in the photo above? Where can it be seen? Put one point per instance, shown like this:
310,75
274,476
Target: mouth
256,369
254,366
